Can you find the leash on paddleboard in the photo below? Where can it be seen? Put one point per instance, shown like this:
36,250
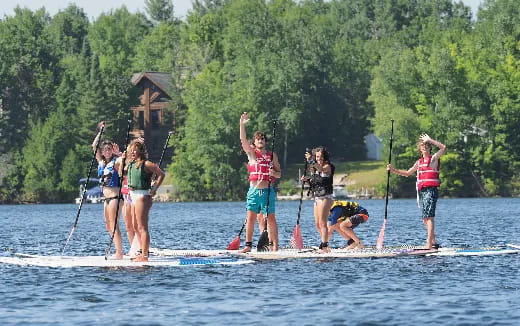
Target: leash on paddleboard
119,196
296,237
263,241
381,236
83,195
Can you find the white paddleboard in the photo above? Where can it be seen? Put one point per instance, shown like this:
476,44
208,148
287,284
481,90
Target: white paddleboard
477,251
335,253
99,261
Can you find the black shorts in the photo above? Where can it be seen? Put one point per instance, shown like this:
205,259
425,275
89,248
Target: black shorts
356,219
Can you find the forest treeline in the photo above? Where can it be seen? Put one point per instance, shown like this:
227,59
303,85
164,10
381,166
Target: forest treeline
330,72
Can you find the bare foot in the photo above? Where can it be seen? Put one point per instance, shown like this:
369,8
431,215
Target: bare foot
140,258
352,246
360,246
117,256
324,250
245,249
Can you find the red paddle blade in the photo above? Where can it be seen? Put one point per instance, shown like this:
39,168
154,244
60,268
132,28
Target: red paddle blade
235,244
296,238
381,236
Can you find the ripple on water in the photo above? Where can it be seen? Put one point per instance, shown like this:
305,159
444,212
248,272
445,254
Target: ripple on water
385,291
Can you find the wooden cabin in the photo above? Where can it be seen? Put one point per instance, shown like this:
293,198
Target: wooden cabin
152,121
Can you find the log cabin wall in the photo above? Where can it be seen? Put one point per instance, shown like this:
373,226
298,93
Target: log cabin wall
150,116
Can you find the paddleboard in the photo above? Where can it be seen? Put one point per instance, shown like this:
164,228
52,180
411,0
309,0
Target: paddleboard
372,252
190,252
485,251
313,252
99,261
334,253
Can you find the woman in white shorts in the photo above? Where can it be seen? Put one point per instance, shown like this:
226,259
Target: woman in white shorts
144,177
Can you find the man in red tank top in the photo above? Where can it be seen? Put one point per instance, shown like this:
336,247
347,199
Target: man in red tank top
263,167
428,181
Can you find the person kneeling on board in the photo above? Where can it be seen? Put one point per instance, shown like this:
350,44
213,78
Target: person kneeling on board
344,217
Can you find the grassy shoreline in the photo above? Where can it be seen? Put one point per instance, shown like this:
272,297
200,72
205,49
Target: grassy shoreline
359,178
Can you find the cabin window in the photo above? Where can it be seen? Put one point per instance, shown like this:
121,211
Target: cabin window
156,118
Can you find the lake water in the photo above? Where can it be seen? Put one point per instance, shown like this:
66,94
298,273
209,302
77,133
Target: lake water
384,291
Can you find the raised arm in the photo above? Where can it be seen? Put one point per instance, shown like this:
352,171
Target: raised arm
95,147
246,146
427,139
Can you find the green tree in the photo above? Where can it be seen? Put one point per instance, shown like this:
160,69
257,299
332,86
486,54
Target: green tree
67,31
160,10
27,75
113,38
159,50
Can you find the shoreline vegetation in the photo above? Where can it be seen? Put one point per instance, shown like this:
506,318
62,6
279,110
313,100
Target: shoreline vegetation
330,73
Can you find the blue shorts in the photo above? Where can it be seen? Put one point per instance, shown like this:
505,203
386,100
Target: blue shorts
428,198
360,217
256,200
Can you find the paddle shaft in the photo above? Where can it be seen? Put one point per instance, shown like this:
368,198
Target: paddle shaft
107,251
388,172
102,129
164,148
154,177
242,228
301,193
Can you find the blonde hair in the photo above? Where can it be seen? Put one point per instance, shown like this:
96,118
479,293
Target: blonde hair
143,153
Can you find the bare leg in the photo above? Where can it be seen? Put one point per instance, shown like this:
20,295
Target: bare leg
348,232
129,221
272,231
250,229
261,222
142,208
136,243
430,231
321,213
110,221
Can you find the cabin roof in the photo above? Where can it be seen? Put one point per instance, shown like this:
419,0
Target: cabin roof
160,79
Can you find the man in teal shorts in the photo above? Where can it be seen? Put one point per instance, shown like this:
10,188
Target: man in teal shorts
263,167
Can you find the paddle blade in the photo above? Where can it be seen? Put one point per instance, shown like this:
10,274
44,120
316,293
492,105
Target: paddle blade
235,244
263,242
296,238
381,236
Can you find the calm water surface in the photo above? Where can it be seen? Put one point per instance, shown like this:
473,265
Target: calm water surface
385,291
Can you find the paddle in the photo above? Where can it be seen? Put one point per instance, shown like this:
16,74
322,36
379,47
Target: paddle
101,130
263,242
107,251
235,243
164,147
296,237
381,236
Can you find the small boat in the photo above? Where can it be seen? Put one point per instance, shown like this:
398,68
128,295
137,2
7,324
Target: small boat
340,193
93,195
